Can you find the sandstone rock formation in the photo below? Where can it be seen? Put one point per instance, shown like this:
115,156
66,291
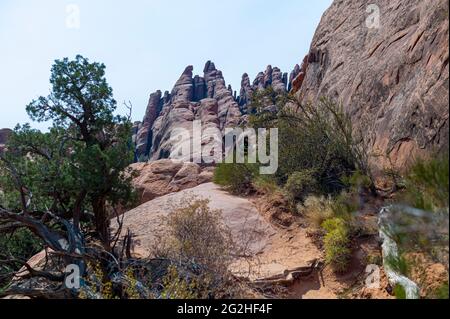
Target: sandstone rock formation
239,214
392,80
270,251
158,178
206,98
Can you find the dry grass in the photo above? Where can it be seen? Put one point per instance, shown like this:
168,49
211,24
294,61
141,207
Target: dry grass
201,249
317,210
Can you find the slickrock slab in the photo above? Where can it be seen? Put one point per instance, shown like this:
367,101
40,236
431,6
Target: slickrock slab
270,251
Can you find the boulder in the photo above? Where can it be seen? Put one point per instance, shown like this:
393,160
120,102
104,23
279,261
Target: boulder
158,178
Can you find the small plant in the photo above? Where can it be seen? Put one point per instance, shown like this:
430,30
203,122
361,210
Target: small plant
300,184
346,204
176,287
399,292
357,182
336,243
200,248
398,264
265,185
236,178
427,184
317,210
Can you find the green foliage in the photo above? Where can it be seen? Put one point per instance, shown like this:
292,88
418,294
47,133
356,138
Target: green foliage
345,205
317,209
266,184
236,178
300,184
336,244
399,292
357,181
312,138
80,166
427,184
399,264
143,158
22,245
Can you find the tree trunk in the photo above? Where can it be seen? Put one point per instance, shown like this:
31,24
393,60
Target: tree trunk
102,221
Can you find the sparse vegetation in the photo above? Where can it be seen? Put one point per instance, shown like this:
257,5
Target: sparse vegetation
300,184
235,177
200,249
427,184
337,244
317,210
315,140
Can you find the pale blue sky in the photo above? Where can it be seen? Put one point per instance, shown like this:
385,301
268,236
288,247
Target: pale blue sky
147,44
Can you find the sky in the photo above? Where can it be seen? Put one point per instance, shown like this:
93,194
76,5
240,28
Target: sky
146,45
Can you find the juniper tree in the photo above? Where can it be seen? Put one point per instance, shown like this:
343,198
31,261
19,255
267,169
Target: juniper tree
64,184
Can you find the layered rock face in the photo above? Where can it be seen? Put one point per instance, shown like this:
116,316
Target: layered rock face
204,98
393,80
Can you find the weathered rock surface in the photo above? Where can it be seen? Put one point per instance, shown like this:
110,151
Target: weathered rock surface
207,98
271,251
392,80
158,178
239,214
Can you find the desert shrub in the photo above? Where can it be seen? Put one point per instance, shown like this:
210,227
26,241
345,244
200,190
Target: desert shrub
300,184
126,284
235,177
336,244
317,210
427,184
266,184
316,138
358,182
345,205
200,248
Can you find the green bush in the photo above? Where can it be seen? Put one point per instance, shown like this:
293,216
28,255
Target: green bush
399,264
317,210
236,178
358,181
300,184
345,205
399,292
266,184
427,184
312,138
336,244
